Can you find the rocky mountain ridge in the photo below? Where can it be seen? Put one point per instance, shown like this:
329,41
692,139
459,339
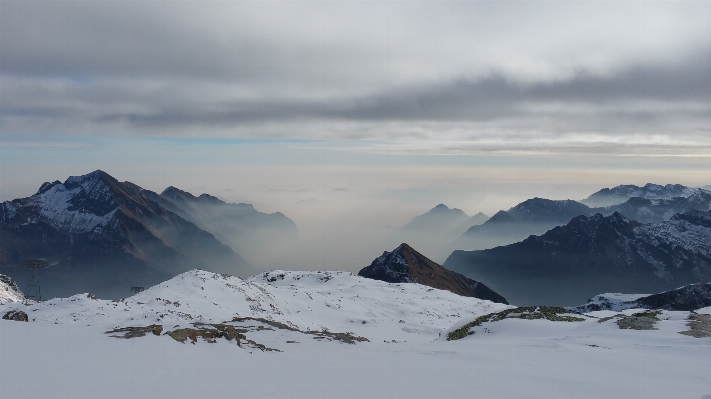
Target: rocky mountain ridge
594,254
104,236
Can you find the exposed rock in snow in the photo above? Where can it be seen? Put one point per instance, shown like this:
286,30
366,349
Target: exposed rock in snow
9,291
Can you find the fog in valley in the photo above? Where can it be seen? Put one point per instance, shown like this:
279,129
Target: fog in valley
347,215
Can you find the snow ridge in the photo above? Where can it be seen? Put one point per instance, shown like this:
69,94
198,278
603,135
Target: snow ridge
336,301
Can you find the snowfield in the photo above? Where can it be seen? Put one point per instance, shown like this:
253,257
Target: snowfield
292,347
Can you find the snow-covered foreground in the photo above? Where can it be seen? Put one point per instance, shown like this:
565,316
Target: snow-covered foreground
512,358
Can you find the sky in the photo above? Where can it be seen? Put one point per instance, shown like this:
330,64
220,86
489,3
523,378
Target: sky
346,114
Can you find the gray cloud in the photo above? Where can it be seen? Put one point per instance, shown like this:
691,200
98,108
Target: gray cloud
452,72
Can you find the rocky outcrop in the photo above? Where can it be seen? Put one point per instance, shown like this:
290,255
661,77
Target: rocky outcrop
16,315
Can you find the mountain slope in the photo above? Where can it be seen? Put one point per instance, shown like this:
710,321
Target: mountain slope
104,236
246,230
571,263
405,265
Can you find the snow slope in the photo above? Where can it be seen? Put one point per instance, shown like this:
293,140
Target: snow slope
65,346
337,301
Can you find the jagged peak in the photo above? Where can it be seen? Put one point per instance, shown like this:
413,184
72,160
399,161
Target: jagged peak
46,186
442,208
92,177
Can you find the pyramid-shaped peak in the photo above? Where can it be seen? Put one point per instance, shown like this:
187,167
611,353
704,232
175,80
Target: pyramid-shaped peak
404,264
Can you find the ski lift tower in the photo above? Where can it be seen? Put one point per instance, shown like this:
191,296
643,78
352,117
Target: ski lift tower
32,291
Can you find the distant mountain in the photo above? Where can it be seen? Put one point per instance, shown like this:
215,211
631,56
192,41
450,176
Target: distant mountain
9,291
476,220
645,210
687,298
433,230
620,194
104,236
249,232
441,219
533,216
405,265
589,255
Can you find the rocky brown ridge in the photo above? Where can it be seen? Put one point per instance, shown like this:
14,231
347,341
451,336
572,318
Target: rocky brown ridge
405,265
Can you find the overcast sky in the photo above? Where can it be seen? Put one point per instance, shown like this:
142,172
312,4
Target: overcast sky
325,108
421,76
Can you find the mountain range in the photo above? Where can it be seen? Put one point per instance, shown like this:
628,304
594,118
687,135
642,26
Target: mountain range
405,265
593,254
538,215
105,236
619,194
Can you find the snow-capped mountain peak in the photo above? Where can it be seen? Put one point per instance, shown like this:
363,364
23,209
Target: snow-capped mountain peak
82,204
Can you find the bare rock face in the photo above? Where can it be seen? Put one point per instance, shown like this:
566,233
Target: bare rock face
405,265
16,315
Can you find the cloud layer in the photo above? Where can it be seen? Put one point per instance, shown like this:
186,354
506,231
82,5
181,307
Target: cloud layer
451,77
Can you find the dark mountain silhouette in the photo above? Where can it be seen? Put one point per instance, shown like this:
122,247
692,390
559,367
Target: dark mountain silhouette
104,236
405,265
687,298
590,255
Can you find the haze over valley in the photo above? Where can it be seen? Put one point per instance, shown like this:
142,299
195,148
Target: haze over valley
327,199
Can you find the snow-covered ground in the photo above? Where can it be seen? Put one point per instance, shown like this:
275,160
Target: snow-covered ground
63,352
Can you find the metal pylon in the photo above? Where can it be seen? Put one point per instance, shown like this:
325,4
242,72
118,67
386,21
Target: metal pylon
32,290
